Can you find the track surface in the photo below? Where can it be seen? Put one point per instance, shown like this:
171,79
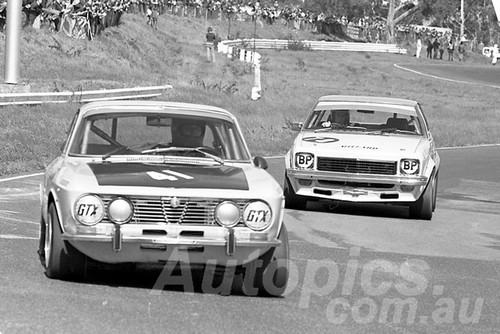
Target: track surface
354,267
350,263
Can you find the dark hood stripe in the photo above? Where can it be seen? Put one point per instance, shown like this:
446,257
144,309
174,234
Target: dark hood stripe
168,176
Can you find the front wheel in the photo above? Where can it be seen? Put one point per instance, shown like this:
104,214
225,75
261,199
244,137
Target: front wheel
292,200
425,205
271,270
61,259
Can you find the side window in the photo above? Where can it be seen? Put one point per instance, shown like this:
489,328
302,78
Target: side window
316,119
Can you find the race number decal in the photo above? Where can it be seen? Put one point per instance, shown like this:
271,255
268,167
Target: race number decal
304,160
89,210
257,215
169,175
321,140
410,166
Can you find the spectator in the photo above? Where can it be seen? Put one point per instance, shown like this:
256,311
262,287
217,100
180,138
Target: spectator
435,47
461,51
480,47
210,44
429,48
441,47
419,46
152,17
494,54
31,9
451,49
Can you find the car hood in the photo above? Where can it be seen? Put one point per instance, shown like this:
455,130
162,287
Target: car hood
357,144
171,176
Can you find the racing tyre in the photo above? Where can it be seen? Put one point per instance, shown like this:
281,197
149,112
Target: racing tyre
424,206
271,270
434,198
61,259
292,200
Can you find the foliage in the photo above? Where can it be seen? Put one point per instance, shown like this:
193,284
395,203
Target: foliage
295,45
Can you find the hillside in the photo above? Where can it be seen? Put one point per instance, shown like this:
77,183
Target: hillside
131,54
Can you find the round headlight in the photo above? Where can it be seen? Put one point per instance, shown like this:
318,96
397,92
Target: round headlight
120,210
227,214
89,210
258,215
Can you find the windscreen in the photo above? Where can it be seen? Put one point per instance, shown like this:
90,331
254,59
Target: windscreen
364,120
155,133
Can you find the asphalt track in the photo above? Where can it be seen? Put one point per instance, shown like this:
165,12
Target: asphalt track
482,75
455,260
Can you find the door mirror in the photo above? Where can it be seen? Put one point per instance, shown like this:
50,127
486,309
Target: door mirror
296,126
260,162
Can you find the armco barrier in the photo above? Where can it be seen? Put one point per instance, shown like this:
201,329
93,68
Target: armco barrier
82,96
315,45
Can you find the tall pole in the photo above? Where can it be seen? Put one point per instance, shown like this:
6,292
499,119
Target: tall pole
254,30
12,40
462,19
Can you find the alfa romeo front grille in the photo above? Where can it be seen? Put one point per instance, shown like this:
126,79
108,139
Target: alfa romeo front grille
357,166
174,210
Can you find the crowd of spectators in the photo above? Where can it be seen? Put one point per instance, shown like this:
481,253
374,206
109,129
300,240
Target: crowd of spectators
104,13
52,13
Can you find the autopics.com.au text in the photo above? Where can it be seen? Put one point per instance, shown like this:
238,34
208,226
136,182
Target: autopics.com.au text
378,291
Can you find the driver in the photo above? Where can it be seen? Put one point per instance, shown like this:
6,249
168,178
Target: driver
187,132
340,117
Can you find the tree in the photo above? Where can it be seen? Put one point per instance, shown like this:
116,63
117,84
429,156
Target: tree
398,10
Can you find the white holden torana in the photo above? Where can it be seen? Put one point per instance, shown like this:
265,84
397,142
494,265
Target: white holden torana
363,149
162,182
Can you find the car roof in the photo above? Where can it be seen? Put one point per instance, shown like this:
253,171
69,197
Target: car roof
141,106
385,104
368,99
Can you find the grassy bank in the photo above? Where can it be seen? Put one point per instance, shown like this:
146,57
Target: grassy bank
133,55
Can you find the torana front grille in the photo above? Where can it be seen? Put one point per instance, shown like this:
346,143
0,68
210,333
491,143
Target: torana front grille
175,210
357,166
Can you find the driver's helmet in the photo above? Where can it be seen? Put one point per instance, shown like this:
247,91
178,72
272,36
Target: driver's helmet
340,117
188,132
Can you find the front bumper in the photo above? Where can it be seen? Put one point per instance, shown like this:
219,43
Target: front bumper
162,243
354,187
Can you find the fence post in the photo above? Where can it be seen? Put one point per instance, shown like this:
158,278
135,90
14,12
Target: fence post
256,90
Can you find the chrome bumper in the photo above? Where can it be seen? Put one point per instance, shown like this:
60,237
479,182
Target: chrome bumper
353,177
173,241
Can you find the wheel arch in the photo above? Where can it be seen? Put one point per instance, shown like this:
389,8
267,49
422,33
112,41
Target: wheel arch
52,199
